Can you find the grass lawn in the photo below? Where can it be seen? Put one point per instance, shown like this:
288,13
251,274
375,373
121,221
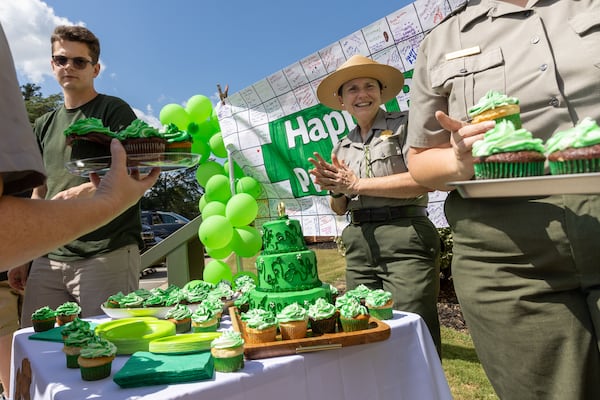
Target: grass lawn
463,371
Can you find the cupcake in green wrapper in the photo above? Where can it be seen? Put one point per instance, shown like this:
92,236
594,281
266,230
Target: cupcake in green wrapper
323,316
73,344
354,316
506,152
204,319
95,359
495,106
67,312
181,316
575,150
228,351
293,322
43,319
379,302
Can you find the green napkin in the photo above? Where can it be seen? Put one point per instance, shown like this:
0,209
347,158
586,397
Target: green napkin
54,334
145,369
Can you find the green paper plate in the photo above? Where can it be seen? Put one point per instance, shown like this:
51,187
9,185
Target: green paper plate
183,344
134,334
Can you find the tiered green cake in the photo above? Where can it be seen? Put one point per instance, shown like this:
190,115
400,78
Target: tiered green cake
286,269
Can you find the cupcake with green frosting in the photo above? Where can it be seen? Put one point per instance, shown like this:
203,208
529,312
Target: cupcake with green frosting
178,141
204,319
228,351
75,326
575,150
43,319
354,316
88,138
67,312
260,326
379,302
73,344
323,316
506,152
95,359
495,106
293,322
141,139
181,316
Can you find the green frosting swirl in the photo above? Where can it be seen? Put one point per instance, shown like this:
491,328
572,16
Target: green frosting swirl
155,300
585,133
504,138
138,129
322,309
88,125
260,320
491,100
195,295
359,292
98,348
352,309
179,312
68,308
203,314
43,313
228,339
79,338
216,305
131,300
292,312
377,298
173,134
175,297
75,326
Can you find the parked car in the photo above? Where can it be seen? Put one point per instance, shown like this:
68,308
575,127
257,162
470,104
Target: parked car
148,237
163,223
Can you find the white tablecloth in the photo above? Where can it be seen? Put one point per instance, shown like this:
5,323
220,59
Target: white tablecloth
405,366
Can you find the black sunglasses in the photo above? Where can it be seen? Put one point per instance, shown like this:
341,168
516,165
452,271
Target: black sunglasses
77,62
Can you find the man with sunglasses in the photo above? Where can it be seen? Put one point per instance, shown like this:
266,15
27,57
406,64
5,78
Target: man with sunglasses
107,260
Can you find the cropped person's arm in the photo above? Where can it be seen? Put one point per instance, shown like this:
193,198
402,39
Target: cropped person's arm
31,228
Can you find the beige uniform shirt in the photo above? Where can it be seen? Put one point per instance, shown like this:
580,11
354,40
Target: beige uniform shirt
382,154
547,55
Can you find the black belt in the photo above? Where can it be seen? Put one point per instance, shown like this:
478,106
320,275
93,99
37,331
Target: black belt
382,214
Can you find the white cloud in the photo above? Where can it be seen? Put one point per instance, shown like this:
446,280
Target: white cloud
148,117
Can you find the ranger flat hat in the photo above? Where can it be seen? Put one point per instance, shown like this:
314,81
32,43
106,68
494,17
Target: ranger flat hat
359,66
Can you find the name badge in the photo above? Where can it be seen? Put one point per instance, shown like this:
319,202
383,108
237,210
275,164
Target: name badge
463,53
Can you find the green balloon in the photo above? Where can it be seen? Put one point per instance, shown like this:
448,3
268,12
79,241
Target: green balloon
247,184
219,254
205,131
218,188
237,171
216,271
215,232
202,148
199,107
241,209
217,146
248,241
213,208
207,170
202,203
174,114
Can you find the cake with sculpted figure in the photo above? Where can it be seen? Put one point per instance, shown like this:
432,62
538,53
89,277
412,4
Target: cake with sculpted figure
286,268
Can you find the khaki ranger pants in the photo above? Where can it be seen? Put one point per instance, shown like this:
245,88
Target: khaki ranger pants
400,256
527,275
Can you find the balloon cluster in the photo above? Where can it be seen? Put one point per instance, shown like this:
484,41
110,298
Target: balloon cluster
226,217
200,120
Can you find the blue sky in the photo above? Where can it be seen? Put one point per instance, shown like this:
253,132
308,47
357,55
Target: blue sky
158,52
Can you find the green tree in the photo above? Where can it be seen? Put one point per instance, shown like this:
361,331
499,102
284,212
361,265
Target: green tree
36,104
177,191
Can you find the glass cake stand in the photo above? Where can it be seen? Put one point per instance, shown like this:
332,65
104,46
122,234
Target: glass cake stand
140,162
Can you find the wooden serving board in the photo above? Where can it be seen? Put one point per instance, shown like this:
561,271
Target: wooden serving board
378,331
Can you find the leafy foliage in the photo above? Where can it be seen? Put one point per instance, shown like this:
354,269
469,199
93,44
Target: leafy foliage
446,252
36,104
175,191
